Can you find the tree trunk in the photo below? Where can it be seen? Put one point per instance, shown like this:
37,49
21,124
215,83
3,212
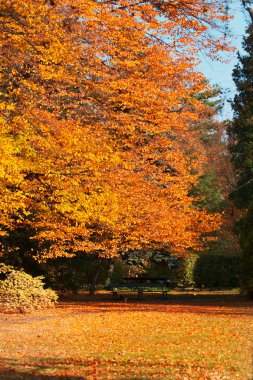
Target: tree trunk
109,272
95,277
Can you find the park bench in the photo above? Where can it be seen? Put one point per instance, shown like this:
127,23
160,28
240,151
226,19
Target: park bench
140,285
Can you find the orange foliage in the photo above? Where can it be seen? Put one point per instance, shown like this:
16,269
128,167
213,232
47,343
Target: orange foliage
98,106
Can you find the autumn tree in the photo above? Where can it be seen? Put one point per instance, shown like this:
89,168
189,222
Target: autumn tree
99,149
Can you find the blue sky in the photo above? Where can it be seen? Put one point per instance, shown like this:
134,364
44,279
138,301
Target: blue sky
221,73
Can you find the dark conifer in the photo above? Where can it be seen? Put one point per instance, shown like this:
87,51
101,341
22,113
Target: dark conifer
241,140
241,129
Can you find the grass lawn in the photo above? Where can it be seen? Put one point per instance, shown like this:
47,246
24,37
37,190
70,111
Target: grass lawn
207,336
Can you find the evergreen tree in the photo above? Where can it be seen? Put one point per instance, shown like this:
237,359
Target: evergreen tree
241,129
241,140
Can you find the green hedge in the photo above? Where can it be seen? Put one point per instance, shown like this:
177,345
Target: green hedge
217,271
207,270
181,274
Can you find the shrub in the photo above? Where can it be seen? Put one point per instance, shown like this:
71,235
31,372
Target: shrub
181,273
211,270
74,273
120,270
21,292
65,274
214,270
185,272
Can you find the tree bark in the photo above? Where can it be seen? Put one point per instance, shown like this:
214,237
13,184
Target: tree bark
109,272
95,277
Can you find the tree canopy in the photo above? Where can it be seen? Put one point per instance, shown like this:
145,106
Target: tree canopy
99,107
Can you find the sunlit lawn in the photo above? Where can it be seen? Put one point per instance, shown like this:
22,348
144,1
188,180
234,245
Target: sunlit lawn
179,338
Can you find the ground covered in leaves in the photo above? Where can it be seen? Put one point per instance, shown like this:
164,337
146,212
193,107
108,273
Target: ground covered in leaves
185,337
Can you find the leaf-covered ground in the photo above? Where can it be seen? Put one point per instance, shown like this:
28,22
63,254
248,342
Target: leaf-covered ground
180,338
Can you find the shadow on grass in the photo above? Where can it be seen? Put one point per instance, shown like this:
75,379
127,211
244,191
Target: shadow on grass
93,369
175,303
96,368
81,304
6,374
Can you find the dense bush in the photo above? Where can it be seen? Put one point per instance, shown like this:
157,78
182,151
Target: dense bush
208,270
185,272
20,291
181,273
217,271
73,274
65,274
121,270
